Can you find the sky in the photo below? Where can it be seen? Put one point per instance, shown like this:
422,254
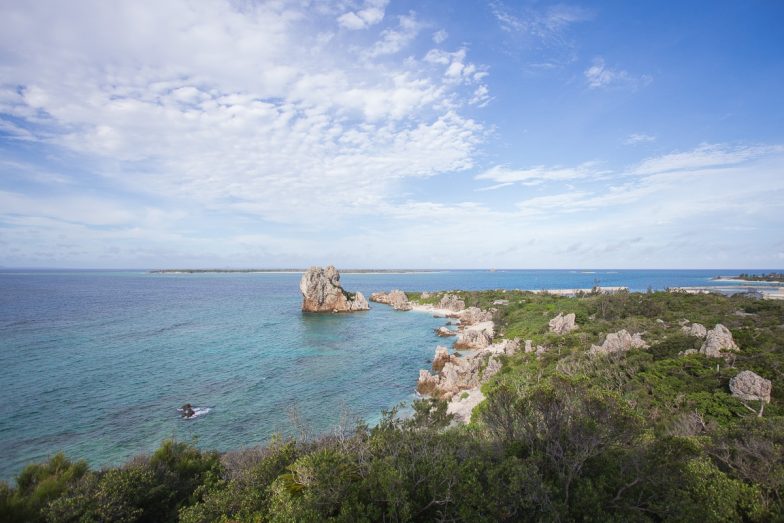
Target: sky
390,134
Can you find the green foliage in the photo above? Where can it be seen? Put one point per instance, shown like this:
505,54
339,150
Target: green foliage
645,435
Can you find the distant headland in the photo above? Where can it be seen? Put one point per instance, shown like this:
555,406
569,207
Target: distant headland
344,271
773,277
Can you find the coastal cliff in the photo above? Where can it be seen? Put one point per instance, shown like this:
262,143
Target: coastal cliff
322,292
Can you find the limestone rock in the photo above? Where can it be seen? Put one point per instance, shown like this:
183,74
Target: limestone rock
477,336
322,292
473,315
562,324
501,302
620,341
451,302
425,295
749,386
444,332
718,342
529,346
442,357
397,299
455,374
695,329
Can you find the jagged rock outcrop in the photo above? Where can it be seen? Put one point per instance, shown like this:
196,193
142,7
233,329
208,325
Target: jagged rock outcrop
397,299
473,315
322,292
477,336
748,386
462,373
444,332
442,357
451,302
695,329
562,324
620,341
719,343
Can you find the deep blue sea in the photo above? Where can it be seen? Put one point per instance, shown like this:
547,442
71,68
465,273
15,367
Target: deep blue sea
96,363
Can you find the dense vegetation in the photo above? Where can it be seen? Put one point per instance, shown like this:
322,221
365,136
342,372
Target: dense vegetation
643,436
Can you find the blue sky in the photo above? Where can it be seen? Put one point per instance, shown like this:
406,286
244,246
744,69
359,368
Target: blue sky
375,133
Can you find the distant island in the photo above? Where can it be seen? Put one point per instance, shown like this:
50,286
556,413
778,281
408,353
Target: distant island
344,271
770,277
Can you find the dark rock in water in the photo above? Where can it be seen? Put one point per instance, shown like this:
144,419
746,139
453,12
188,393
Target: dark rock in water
187,411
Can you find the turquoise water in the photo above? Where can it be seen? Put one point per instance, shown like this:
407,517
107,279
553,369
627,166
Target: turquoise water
95,363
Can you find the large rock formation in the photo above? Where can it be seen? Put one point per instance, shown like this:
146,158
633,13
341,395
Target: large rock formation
321,292
459,374
749,386
477,336
719,343
451,302
620,341
695,329
397,299
562,324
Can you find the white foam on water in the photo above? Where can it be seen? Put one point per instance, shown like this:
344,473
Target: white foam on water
197,411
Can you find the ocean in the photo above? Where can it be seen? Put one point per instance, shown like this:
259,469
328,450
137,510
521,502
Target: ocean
96,363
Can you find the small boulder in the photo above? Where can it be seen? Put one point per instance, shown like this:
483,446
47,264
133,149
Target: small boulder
187,411
445,332
562,324
718,342
529,346
749,386
620,341
695,329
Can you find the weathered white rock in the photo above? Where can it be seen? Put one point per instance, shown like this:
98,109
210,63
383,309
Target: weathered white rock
529,347
477,336
620,341
562,324
444,332
695,329
442,357
718,342
749,386
322,292
425,295
397,299
473,315
501,302
451,302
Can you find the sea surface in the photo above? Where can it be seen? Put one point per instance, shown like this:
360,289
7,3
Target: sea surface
96,363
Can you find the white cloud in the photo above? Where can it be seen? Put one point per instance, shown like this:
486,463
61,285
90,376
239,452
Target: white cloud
638,138
599,75
705,156
393,41
541,173
371,13
236,110
440,36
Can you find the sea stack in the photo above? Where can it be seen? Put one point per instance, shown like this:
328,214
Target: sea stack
322,292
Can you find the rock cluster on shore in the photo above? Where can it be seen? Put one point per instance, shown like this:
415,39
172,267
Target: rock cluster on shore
451,302
322,292
457,374
397,299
